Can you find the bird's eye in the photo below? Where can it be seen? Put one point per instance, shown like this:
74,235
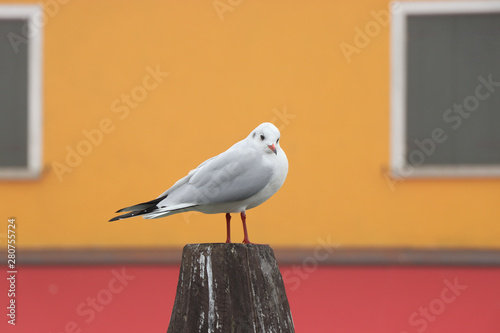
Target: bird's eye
277,141
262,137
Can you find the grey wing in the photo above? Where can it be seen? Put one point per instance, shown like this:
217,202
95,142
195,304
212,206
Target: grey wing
234,175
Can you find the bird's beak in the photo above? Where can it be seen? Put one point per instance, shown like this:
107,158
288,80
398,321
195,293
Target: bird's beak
273,148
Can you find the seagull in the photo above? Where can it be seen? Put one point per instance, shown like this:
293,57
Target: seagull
241,178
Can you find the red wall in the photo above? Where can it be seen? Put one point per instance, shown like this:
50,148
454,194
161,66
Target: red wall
324,299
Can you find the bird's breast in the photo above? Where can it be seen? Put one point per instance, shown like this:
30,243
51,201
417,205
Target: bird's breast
278,177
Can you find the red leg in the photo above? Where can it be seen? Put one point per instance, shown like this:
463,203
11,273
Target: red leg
244,221
228,227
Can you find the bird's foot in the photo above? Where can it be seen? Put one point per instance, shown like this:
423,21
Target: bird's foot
246,241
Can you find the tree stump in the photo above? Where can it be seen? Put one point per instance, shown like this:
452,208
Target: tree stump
230,288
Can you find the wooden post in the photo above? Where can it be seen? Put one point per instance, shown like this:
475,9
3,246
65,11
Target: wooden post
230,288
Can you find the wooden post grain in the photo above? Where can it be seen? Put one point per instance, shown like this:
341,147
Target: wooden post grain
230,288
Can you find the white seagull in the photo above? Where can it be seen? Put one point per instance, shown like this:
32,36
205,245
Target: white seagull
241,178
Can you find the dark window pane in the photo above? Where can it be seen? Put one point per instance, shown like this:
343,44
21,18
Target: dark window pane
13,96
450,57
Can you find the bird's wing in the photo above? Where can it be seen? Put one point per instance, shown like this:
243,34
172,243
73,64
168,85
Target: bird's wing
234,175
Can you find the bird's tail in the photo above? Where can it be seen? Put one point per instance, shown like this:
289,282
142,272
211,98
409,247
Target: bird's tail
151,210
170,210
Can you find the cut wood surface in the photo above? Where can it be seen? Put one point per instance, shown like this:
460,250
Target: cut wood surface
230,288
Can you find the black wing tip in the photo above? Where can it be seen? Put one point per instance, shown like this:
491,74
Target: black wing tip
133,214
137,210
147,205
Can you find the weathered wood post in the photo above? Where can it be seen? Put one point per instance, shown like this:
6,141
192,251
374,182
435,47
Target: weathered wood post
230,288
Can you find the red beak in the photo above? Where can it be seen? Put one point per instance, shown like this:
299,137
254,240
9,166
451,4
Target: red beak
273,148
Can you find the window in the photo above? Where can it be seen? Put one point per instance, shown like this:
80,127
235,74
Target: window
445,89
20,91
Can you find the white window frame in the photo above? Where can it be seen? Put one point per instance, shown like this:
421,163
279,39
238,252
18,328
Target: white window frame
399,166
33,15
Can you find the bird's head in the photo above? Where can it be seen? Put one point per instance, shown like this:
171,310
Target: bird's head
266,137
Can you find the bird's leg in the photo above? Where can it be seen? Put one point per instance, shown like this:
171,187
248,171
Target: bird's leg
228,227
244,221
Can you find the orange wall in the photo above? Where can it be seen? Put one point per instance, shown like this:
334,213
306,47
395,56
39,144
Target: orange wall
229,69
